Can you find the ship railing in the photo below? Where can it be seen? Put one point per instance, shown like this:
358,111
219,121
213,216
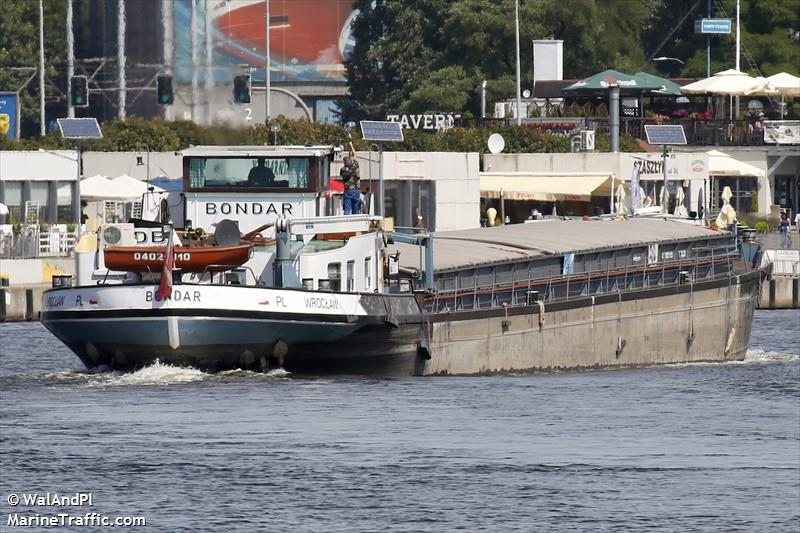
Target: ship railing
630,278
225,270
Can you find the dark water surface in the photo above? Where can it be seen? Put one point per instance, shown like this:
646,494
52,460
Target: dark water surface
700,447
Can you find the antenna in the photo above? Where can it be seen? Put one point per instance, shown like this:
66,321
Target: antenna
496,143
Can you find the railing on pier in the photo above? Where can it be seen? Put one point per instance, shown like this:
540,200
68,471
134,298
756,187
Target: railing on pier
32,241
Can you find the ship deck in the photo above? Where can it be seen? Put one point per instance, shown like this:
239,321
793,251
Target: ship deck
454,250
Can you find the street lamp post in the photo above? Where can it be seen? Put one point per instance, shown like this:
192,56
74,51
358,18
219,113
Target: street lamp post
266,67
519,95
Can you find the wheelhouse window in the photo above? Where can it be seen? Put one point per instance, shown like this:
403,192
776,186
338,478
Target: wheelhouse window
249,173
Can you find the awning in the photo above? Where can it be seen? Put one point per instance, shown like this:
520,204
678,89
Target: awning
722,164
545,188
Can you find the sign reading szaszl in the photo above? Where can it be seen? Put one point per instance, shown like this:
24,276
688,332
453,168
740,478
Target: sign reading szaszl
712,26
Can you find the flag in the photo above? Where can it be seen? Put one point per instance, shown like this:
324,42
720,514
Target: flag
165,288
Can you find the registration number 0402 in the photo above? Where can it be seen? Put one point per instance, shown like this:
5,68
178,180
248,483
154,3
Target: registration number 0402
159,256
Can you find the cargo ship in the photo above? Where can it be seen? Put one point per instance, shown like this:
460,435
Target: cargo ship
322,293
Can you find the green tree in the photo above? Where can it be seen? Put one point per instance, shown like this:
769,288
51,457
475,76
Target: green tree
19,49
770,37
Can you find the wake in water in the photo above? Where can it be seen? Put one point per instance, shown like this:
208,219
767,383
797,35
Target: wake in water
758,355
158,373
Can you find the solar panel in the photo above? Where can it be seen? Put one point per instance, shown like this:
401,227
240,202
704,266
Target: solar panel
79,128
377,130
665,134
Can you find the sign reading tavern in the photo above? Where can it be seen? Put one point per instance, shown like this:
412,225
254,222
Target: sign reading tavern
438,121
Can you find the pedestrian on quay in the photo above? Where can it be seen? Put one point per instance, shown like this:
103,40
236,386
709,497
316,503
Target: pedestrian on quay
783,227
352,185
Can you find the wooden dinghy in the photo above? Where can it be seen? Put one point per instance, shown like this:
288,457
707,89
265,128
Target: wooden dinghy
187,258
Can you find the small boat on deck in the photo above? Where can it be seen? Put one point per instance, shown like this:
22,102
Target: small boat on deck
187,258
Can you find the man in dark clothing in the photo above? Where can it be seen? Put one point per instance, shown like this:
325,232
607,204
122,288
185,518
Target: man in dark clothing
261,175
352,185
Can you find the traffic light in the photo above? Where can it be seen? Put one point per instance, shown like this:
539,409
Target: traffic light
166,94
241,89
79,91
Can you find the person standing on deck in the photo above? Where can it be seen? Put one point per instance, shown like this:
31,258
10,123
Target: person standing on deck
784,227
352,185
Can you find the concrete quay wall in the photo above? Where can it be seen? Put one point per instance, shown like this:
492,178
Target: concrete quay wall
24,281
20,303
780,292
698,325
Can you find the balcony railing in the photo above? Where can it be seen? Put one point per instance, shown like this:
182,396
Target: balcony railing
698,132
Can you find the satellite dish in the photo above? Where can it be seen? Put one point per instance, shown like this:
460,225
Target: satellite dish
496,143
526,93
226,232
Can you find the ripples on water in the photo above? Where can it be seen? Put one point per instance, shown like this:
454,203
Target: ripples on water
700,447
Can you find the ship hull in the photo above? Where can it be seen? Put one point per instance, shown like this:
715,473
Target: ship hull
704,321
222,327
370,334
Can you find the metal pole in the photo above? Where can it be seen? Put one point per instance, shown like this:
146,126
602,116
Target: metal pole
209,85
665,194
42,126
194,62
169,46
708,44
382,212
613,111
738,38
267,62
483,99
738,48
76,200
70,59
121,56
519,81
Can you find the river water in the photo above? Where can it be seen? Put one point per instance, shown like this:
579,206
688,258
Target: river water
698,447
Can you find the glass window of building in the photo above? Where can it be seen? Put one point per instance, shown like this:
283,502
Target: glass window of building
12,197
39,196
65,194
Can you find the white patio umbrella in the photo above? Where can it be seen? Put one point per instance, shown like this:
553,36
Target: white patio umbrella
663,197
133,187
784,83
120,189
620,206
646,200
680,208
93,187
727,215
726,83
